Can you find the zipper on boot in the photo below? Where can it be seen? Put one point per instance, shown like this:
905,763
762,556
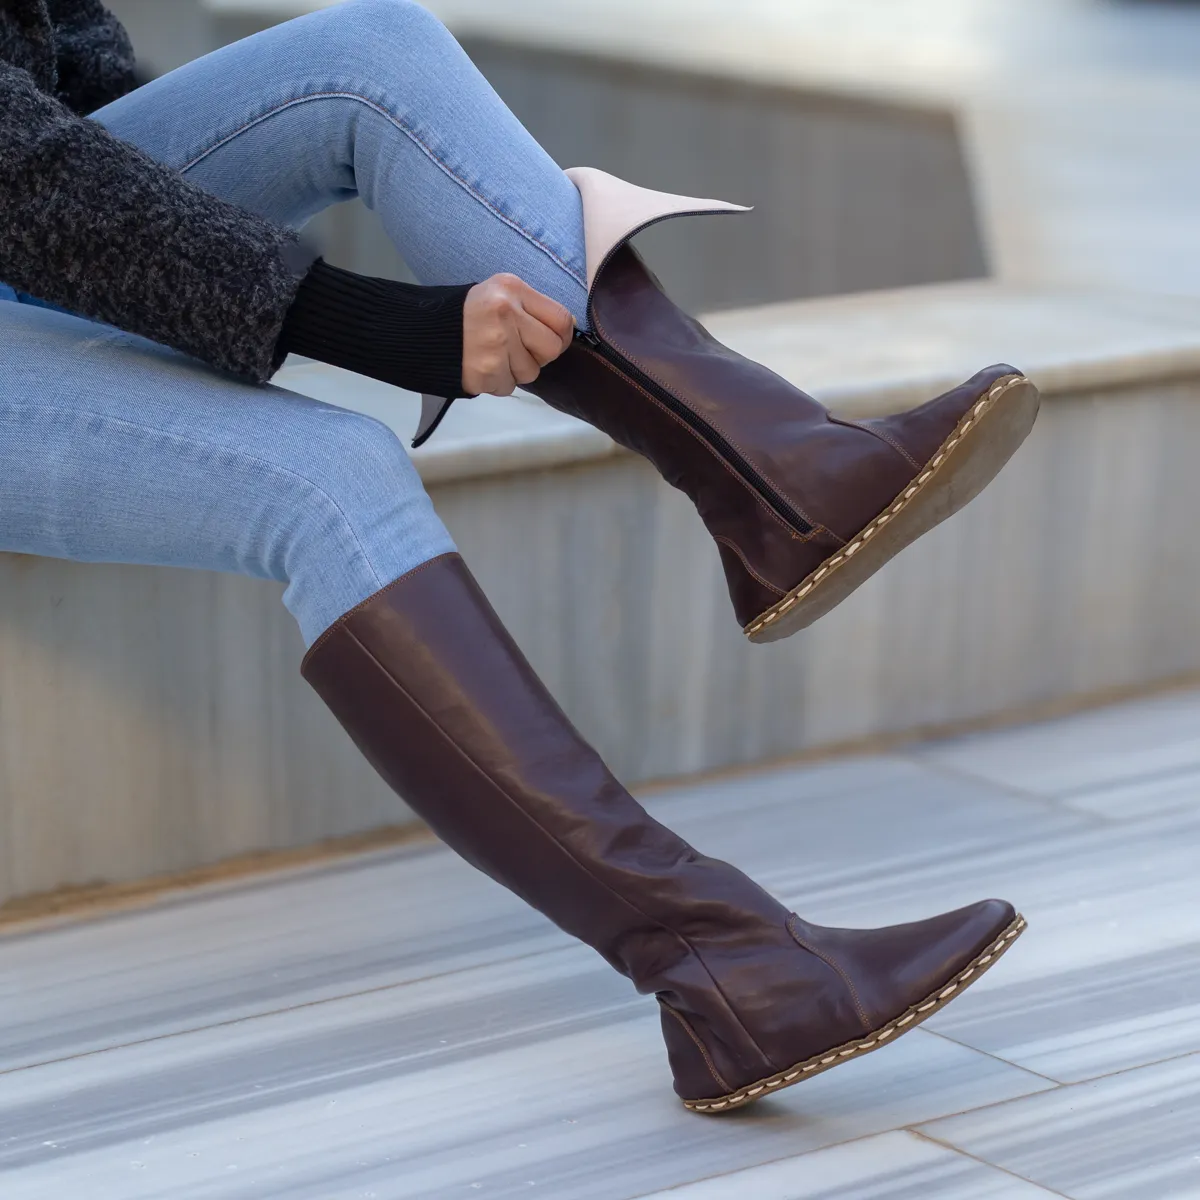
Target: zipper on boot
693,420
707,433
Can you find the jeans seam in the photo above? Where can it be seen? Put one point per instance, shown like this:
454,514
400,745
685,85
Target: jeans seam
178,438
412,135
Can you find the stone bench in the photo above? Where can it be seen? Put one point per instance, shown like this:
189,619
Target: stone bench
154,719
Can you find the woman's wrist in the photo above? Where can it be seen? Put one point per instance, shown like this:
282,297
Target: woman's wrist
404,334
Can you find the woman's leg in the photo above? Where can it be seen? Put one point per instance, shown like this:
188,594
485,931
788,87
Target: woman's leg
372,98
113,449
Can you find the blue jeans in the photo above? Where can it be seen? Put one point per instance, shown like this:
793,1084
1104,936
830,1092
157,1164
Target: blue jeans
114,449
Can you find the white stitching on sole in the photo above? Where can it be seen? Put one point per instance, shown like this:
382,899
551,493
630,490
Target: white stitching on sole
964,425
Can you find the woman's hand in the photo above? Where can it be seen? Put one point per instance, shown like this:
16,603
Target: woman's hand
510,332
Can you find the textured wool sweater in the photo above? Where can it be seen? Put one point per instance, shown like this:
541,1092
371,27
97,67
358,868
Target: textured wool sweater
92,224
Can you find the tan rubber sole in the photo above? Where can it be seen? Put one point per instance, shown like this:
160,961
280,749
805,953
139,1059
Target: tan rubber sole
967,461
864,1045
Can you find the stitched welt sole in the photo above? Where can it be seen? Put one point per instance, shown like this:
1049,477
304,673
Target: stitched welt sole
886,1033
967,461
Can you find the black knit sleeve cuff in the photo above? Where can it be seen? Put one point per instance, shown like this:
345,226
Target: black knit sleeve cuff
402,333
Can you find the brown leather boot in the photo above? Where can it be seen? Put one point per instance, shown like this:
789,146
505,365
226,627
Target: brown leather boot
437,696
804,507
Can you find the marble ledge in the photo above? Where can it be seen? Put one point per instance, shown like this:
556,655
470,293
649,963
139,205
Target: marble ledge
909,52
864,355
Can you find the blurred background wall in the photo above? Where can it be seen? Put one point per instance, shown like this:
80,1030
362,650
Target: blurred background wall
850,194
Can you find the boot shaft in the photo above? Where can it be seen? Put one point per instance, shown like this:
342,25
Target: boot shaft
447,709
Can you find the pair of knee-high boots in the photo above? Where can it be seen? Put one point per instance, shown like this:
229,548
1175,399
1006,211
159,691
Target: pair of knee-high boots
803,508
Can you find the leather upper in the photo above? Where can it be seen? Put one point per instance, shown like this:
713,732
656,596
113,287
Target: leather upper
836,476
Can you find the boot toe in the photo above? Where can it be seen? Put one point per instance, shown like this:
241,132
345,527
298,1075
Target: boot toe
897,968
922,431
954,447
894,978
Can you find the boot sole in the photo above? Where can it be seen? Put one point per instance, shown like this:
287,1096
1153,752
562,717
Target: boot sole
893,1029
967,461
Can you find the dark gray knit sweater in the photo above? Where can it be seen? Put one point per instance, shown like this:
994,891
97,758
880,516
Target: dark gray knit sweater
91,224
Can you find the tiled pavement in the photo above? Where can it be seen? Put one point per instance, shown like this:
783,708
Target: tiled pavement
397,1026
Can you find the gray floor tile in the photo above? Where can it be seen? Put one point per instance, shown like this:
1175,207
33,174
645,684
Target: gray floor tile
891,1166
1093,896
1103,748
1174,791
1078,1023
254,949
1133,1136
384,1094
1108,974
839,814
